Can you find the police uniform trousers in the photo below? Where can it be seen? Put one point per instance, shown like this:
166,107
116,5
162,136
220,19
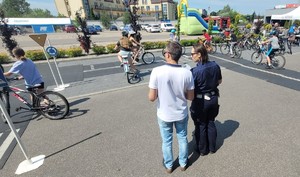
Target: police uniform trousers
203,112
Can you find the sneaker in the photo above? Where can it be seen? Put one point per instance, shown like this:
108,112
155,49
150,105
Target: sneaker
168,170
268,67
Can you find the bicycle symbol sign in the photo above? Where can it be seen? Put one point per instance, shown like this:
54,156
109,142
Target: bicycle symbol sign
52,51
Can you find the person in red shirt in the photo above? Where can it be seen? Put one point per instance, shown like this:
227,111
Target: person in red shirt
206,36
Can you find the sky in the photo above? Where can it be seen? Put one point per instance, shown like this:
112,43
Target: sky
241,6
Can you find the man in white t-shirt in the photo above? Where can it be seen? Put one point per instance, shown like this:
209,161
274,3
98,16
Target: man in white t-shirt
172,85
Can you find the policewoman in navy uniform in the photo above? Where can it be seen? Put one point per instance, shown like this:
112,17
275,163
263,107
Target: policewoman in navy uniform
205,107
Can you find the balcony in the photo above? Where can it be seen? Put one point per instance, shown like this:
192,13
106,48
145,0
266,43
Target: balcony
101,7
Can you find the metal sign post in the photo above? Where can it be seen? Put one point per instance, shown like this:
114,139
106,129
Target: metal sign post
52,51
40,39
28,164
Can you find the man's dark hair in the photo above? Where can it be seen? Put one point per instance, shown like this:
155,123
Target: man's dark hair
200,48
175,50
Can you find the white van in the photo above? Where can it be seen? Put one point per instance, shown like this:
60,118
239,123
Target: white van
166,26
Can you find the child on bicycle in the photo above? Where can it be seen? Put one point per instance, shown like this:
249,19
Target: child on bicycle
28,71
273,47
125,46
173,36
135,46
207,37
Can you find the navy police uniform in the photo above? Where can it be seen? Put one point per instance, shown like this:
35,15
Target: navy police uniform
205,106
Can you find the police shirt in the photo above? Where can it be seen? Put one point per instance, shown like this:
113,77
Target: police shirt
206,77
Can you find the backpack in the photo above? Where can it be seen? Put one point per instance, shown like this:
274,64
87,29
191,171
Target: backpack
125,43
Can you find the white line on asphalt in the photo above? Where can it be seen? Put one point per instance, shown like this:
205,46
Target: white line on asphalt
276,74
1,134
6,143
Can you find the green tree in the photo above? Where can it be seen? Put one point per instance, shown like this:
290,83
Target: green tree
126,18
61,15
15,8
39,13
228,12
105,19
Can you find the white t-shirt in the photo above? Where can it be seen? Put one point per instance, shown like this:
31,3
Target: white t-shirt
171,82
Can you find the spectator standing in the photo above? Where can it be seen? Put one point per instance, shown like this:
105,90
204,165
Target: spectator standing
172,85
205,107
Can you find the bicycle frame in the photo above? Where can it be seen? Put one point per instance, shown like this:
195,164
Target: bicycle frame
15,92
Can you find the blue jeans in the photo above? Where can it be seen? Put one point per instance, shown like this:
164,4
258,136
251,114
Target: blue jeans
166,132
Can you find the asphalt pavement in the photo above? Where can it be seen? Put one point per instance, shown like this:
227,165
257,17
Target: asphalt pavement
112,128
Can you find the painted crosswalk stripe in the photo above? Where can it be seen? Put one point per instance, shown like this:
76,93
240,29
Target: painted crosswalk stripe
6,143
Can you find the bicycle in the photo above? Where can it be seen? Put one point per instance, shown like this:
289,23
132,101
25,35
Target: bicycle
277,61
132,77
50,104
147,57
211,46
225,49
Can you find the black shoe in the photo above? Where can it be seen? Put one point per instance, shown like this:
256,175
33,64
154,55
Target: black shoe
212,152
203,154
268,67
121,65
196,149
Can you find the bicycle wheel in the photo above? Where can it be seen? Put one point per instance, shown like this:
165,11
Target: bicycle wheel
289,45
278,61
256,58
237,52
224,49
213,48
148,57
52,105
133,78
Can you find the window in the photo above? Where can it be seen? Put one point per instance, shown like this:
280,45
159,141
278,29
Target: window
148,8
143,2
146,2
156,8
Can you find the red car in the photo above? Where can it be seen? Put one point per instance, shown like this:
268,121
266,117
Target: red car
70,29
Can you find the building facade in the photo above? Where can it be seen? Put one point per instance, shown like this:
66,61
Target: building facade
159,9
114,8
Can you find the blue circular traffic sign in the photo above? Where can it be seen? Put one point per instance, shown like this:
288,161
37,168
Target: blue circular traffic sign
52,51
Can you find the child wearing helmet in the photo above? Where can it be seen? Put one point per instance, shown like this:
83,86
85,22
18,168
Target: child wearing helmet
173,36
273,47
125,46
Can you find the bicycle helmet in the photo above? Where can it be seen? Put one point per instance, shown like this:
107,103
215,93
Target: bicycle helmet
173,31
124,33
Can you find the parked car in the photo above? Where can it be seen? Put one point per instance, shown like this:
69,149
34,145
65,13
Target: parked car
153,28
70,29
113,28
128,27
91,30
166,27
144,26
98,28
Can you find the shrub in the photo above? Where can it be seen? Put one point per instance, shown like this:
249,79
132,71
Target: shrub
61,53
110,48
74,52
35,55
4,58
98,49
189,42
147,45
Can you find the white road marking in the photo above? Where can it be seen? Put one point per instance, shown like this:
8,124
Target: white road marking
92,67
6,143
276,74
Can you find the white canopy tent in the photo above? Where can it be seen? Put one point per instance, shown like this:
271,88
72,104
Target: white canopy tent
293,15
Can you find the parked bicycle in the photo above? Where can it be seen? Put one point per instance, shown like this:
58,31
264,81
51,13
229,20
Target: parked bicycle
147,57
277,60
50,104
132,76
